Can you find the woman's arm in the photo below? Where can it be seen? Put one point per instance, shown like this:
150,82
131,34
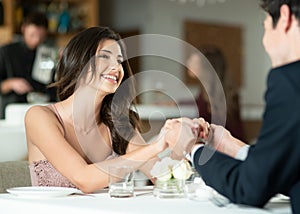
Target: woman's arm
138,142
48,136
174,130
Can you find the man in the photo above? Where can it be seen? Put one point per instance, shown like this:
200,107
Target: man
273,164
17,60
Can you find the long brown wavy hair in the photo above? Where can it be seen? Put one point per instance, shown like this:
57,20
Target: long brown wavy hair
78,53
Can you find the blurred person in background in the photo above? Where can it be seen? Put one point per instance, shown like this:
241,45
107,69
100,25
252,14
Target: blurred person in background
17,61
196,65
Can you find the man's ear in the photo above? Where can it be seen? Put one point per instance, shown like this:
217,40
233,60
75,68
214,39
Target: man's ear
285,17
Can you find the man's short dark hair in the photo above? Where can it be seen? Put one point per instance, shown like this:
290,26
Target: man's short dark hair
36,18
273,8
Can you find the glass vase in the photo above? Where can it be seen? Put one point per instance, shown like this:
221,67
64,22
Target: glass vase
173,188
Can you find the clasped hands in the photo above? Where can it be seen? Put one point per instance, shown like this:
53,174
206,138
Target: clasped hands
182,134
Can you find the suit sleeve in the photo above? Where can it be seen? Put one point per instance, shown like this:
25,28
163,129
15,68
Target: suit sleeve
272,164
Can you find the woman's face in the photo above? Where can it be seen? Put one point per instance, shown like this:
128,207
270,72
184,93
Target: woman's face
194,65
108,66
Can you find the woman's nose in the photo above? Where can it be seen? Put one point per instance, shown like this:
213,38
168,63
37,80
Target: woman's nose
114,64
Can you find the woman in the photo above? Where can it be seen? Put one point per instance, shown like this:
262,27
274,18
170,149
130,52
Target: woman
199,69
92,126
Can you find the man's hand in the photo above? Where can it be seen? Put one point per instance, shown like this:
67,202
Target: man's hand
18,85
224,142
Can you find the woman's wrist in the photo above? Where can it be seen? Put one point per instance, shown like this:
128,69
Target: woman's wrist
159,145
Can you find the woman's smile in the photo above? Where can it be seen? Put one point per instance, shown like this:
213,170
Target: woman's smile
110,78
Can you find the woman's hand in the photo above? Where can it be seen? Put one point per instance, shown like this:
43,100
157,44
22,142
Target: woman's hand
182,133
204,129
161,141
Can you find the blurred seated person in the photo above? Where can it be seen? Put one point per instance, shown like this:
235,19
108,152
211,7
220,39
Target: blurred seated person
197,66
17,62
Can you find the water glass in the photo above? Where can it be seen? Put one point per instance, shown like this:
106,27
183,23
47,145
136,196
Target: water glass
172,188
121,181
197,190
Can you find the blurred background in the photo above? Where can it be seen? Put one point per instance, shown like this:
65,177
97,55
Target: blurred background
233,26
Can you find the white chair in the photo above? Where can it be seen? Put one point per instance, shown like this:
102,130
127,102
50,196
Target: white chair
13,145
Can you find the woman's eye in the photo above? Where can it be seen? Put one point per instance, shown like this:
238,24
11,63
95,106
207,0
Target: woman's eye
104,56
120,61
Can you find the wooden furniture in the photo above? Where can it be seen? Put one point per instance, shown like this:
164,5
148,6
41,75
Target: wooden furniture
83,14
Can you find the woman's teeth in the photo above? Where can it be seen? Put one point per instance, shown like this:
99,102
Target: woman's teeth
106,76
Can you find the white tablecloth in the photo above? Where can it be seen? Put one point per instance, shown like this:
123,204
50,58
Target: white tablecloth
102,203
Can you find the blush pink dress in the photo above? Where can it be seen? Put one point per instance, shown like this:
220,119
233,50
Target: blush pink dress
44,174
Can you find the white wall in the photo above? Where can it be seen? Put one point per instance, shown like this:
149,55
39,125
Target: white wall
167,17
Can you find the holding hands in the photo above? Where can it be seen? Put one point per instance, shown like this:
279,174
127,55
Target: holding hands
182,134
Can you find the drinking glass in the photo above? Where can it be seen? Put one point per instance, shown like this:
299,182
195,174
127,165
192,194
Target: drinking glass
121,181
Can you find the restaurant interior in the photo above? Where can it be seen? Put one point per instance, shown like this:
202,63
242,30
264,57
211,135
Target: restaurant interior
179,20
162,80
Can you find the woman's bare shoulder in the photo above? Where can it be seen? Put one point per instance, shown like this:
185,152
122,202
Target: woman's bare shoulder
39,110
40,113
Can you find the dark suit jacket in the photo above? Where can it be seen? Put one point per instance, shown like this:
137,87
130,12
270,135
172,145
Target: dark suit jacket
273,163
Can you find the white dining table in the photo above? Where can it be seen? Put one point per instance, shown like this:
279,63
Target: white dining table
141,203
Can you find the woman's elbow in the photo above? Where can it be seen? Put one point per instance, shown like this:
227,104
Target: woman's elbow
88,184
